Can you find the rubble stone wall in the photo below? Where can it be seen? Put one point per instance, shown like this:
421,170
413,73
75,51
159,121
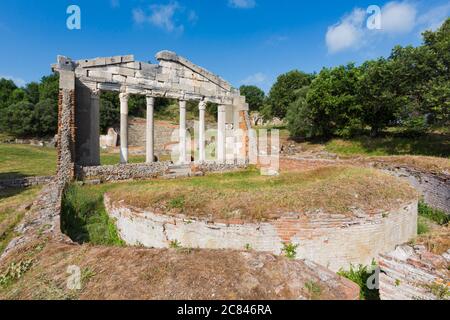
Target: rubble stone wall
25,182
123,171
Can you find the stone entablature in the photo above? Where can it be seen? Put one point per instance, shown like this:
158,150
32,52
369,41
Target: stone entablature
174,77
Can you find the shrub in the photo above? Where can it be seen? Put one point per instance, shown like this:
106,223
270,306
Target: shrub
359,275
290,250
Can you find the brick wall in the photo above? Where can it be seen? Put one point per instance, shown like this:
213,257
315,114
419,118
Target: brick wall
334,241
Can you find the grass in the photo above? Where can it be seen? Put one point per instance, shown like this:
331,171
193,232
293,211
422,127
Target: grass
24,160
12,210
84,219
438,216
360,275
18,161
433,144
248,195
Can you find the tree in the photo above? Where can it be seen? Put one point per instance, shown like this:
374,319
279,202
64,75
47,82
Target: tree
282,93
333,104
17,119
32,92
375,94
109,110
6,89
45,118
49,87
254,96
299,119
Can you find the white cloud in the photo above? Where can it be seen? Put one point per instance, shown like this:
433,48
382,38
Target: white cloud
165,16
398,17
434,18
242,4
257,78
18,81
347,33
352,32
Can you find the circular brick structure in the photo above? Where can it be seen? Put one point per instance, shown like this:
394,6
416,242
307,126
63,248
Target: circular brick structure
334,241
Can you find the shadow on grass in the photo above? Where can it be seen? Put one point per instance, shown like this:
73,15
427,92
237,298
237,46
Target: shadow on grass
12,175
10,192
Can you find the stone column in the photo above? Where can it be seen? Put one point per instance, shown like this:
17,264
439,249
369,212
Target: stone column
182,145
150,155
94,144
124,127
201,135
221,134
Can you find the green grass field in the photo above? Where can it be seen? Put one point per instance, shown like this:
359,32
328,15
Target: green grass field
433,144
23,160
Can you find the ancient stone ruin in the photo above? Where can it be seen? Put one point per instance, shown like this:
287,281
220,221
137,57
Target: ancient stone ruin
174,77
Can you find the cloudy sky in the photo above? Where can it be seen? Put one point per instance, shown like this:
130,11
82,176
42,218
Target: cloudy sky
244,41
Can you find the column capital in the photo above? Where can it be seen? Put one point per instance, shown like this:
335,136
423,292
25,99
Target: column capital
202,105
222,108
150,99
124,97
182,104
95,94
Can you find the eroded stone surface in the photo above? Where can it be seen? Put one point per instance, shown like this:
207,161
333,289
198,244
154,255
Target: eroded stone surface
413,273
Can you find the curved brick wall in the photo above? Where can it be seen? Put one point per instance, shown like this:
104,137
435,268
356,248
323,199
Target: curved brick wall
334,241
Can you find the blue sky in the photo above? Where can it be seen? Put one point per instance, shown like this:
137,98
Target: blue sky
244,41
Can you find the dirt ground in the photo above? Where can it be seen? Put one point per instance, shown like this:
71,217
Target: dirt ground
137,273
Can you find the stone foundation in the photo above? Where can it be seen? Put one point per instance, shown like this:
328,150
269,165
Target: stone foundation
435,188
413,273
334,241
123,171
25,182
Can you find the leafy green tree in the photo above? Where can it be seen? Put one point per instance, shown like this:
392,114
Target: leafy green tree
32,92
254,96
6,88
282,93
109,110
17,95
332,99
17,119
49,87
376,96
45,118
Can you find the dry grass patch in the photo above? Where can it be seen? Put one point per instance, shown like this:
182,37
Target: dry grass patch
13,204
137,273
429,164
437,242
250,196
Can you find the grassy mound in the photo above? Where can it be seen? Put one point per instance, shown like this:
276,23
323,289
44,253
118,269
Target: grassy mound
250,196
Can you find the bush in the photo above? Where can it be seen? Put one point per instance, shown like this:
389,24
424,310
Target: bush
360,275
